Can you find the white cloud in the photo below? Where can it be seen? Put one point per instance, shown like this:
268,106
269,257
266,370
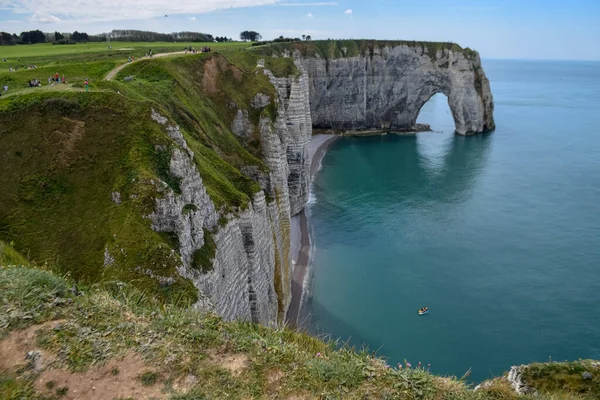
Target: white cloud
44,19
110,10
192,18
325,3
348,12
309,15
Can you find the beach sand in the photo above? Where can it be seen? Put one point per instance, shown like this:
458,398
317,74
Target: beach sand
300,237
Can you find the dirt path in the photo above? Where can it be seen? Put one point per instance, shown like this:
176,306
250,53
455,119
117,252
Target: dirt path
118,69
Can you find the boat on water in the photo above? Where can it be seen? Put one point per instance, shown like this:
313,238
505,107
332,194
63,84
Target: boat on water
423,311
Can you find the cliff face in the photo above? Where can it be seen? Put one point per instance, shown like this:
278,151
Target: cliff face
203,181
250,275
385,88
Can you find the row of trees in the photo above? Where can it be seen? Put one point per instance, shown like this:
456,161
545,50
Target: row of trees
256,37
37,36
127,35
131,35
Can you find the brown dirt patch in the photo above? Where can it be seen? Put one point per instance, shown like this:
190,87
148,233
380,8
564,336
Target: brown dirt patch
15,347
234,363
212,68
67,140
119,378
116,379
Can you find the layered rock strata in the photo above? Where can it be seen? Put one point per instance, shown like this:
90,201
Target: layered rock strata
250,278
385,89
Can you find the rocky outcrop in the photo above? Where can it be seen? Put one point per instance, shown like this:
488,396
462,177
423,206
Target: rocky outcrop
240,284
242,126
515,378
294,129
385,89
250,278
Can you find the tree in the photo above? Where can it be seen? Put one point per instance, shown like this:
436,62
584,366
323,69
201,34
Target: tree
303,37
6,39
250,35
79,36
58,36
308,37
32,37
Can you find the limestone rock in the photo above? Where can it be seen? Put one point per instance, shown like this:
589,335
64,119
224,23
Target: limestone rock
241,284
294,129
260,100
116,197
515,378
385,90
242,126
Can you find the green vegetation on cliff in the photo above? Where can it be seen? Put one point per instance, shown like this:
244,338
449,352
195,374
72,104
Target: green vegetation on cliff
79,169
330,49
116,341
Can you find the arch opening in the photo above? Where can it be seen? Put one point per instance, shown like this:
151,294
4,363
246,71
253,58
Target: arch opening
436,113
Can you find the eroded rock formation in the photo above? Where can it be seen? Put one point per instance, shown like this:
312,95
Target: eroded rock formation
250,276
386,88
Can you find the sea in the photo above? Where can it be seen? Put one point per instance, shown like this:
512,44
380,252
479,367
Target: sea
498,234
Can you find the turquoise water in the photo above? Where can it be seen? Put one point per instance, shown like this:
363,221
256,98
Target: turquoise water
498,234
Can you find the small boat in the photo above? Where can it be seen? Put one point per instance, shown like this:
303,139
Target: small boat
421,312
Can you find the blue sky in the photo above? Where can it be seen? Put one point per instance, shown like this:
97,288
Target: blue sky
533,29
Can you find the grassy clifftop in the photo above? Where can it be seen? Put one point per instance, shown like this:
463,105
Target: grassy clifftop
66,153
330,49
106,341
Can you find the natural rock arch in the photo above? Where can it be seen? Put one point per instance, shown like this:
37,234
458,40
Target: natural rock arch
386,88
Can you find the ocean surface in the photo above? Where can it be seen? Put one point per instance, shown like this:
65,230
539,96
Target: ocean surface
498,234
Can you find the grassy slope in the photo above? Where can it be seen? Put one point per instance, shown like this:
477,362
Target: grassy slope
82,61
66,152
109,321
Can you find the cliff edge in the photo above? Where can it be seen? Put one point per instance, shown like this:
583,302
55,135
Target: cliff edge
368,85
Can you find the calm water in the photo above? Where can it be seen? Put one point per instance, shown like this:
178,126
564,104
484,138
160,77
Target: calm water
498,234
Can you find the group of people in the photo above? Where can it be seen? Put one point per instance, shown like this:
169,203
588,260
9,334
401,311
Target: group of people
56,79
130,59
193,50
35,83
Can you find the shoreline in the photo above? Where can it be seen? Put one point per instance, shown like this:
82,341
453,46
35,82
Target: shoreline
300,237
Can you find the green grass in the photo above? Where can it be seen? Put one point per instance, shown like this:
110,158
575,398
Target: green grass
569,376
109,321
67,151
49,50
9,256
203,258
149,378
332,49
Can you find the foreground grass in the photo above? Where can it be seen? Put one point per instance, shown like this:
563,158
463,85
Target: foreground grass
106,322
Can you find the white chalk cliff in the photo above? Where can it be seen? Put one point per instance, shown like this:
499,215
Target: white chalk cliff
251,273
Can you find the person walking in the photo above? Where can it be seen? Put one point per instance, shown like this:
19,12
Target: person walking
87,85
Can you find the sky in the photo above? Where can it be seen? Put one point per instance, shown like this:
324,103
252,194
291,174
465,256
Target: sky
516,29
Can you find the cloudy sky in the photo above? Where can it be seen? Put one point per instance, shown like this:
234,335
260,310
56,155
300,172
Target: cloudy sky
534,29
